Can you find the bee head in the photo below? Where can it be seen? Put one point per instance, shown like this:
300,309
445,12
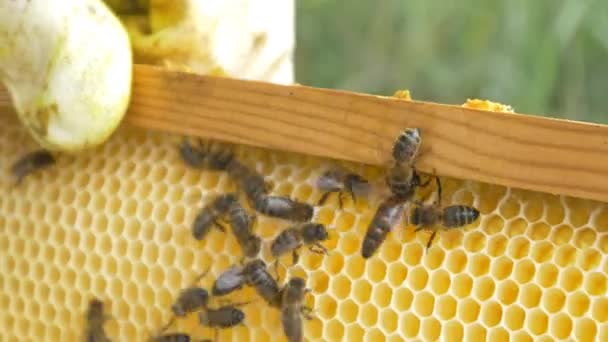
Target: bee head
237,316
314,232
253,246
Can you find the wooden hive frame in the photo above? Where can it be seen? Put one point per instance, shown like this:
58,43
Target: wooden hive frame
521,151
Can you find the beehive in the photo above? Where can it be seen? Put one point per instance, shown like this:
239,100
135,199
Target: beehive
114,223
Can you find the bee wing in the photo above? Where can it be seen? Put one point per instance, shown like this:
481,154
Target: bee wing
361,189
328,181
292,324
229,281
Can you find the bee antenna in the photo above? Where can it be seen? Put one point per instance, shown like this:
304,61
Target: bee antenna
201,276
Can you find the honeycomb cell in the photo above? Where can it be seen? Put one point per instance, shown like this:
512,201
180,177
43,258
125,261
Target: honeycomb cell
493,224
539,231
560,326
376,270
446,307
584,237
456,261
418,278
382,295
479,265
524,271
585,330
431,329
474,241
424,303
353,333
368,315
475,332
509,208
453,331
491,313
327,306
468,310
341,287
565,256
599,310
514,317
571,279
577,304
589,259
555,212
497,245
333,330
542,251
389,321
397,274
516,228
561,235
537,322
519,247
412,254
402,300
348,311
409,325
440,282
355,268
462,285
533,208
484,288
362,291
502,268
349,244
547,275
434,258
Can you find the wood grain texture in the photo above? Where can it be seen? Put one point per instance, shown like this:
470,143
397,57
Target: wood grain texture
522,151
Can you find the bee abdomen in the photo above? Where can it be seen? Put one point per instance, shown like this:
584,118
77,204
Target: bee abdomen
459,215
373,239
405,148
285,242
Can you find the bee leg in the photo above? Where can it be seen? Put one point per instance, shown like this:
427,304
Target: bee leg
341,199
295,256
306,312
320,249
323,198
219,226
171,321
428,245
276,268
200,276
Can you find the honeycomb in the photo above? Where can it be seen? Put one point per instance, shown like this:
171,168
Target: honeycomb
114,223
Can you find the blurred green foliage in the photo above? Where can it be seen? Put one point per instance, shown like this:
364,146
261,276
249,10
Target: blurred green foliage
540,56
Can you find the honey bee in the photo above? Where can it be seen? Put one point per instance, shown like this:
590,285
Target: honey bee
337,181
31,162
292,309
229,281
96,318
205,156
309,234
242,228
284,208
227,316
173,337
403,180
193,157
427,217
210,214
257,275
407,146
189,300
387,215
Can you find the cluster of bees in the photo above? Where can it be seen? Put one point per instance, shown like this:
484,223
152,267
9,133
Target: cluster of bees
402,179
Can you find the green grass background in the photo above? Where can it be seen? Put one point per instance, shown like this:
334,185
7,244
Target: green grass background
546,57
